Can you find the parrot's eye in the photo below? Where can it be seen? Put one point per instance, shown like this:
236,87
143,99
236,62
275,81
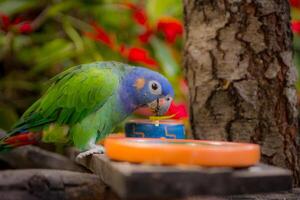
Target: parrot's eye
155,87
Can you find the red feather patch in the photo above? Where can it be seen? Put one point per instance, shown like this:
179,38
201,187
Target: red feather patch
21,139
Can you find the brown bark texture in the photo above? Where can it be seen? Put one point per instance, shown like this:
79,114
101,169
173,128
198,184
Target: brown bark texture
238,63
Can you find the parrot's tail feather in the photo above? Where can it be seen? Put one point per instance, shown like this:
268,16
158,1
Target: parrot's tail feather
21,139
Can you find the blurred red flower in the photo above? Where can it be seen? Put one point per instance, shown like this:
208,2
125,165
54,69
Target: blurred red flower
145,36
170,27
17,24
295,3
133,54
178,110
100,35
139,14
140,17
138,55
25,28
5,23
296,26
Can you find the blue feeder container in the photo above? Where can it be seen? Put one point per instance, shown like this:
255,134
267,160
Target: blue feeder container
171,129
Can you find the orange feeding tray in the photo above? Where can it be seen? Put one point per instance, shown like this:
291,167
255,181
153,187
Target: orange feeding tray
176,151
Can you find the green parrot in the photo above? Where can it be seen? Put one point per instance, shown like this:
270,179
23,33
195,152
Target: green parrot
85,103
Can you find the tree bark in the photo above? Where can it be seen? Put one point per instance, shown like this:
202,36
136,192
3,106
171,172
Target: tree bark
238,62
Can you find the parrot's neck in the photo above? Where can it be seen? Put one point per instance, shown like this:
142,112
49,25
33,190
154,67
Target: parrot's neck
126,95
127,103
118,111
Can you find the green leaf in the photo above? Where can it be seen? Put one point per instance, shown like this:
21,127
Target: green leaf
296,42
2,44
56,51
157,8
165,57
20,41
7,117
11,7
295,13
91,52
73,34
60,7
113,16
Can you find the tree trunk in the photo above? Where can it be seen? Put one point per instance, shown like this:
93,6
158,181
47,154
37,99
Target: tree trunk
238,62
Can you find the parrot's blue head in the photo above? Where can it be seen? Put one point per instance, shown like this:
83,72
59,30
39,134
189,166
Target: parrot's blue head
144,87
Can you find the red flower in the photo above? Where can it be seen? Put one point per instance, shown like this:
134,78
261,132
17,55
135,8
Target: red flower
295,3
139,14
140,17
138,55
7,24
296,26
145,36
170,27
25,28
179,110
100,35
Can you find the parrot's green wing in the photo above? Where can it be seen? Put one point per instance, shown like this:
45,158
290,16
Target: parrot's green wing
73,95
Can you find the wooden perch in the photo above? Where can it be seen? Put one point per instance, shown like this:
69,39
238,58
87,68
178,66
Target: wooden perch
34,184
35,157
151,182
39,184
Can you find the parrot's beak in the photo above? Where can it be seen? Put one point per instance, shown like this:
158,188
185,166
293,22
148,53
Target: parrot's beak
160,106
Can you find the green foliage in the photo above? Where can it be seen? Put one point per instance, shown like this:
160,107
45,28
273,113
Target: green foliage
7,117
158,8
16,6
295,12
164,55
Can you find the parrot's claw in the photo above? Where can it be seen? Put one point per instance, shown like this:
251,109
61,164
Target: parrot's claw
94,150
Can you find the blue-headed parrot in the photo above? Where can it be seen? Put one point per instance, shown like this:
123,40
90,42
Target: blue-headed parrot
85,103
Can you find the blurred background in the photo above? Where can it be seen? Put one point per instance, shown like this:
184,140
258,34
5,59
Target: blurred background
295,25
39,39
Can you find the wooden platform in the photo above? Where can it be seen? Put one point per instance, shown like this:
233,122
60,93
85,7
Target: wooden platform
134,181
49,184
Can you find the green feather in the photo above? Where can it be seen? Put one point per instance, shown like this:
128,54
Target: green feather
74,99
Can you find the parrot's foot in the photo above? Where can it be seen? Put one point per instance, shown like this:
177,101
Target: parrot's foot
95,149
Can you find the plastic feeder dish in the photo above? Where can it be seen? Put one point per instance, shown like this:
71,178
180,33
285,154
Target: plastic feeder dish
178,152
